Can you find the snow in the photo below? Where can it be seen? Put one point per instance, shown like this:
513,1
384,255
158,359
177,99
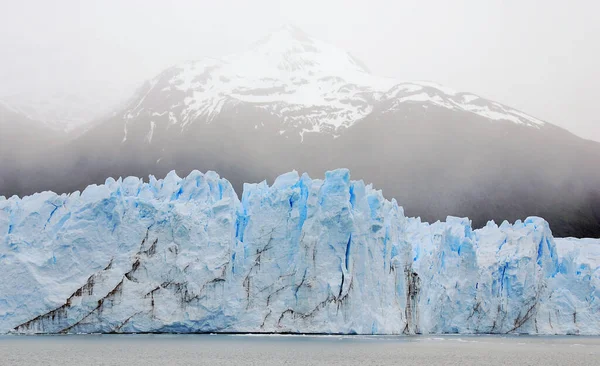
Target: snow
138,108
441,97
287,67
150,132
421,97
306,83
315,128
467,98
485,111
446,90
527,117
405,88
303,255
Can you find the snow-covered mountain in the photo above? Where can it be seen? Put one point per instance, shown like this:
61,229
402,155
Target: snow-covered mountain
302,255
293,102
311,86
65,111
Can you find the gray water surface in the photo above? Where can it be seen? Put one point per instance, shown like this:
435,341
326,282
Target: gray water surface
297,350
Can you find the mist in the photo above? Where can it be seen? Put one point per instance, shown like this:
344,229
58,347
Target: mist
539,57
89,91
337,168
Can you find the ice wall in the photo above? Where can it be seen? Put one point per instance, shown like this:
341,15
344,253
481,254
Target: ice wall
303,255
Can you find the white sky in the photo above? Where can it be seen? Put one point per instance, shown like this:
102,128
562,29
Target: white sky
538,56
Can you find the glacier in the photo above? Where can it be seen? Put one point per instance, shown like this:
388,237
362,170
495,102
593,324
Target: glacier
186,255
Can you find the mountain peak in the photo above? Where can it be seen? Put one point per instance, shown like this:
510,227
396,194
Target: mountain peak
287,35
309,84
293,32
290,49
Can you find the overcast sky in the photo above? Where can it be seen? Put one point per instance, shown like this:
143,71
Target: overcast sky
538,56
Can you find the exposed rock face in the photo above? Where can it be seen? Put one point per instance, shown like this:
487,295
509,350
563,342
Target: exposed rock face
304,255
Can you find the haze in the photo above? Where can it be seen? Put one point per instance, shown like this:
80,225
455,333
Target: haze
537,56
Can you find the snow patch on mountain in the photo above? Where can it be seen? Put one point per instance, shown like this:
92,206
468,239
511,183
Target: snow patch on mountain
424,93
151,132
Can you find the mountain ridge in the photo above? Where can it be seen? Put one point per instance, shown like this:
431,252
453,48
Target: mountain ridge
312,86
286,106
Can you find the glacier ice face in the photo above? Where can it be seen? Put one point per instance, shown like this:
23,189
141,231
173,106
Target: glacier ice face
303,255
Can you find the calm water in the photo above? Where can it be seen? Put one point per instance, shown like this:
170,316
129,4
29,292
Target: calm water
296,350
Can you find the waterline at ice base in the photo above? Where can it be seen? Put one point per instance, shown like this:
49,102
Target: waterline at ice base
185,255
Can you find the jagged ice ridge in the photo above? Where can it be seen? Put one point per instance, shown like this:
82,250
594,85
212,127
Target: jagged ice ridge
303,255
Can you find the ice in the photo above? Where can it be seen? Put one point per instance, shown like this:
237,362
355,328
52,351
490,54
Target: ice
581,250
302,255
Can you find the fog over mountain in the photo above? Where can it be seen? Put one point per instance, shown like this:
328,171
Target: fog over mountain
539,57
292,101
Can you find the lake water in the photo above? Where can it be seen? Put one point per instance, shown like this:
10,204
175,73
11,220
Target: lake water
297,350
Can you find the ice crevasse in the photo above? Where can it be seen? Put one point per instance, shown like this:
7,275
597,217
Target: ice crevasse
303,255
